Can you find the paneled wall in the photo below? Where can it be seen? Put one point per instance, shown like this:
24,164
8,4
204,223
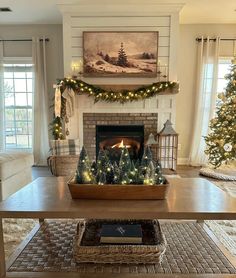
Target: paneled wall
120,23
140,15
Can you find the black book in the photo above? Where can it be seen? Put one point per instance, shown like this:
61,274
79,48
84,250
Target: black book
126,234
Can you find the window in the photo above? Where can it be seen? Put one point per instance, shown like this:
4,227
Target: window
17,102
223,69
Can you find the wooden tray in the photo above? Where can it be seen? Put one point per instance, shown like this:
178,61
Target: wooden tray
118,191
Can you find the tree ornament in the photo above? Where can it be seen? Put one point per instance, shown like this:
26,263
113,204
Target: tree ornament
228,147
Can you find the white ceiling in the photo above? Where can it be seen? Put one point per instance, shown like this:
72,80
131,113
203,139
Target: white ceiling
47,12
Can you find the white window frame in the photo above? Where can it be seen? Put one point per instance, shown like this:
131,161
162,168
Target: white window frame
14,60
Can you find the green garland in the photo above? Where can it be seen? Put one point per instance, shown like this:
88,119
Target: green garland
123,96
99,94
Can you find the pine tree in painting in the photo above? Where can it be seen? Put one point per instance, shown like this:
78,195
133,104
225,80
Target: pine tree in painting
122,57
221,141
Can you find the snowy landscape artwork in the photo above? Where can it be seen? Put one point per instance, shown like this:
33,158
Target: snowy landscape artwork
120,54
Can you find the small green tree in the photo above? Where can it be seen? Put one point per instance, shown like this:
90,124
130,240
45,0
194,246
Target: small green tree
84,173
125,162
116,174
146,159
150,174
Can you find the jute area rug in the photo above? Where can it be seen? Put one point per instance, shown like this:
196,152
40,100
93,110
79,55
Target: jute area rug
15,230
225,230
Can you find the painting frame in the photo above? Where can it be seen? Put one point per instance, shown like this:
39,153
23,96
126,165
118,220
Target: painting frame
140,62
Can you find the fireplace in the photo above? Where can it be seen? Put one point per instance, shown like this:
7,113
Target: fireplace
113,137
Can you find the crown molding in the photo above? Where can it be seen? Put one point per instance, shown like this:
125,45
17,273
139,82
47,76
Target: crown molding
124,8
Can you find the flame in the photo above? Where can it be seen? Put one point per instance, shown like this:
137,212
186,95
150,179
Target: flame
120,145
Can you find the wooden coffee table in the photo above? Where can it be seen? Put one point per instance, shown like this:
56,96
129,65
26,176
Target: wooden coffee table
49,197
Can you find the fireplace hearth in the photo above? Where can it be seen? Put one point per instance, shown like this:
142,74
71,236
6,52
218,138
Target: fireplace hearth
113,138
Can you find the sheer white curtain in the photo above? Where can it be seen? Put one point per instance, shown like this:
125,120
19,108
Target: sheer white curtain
206,92
40,134
2,141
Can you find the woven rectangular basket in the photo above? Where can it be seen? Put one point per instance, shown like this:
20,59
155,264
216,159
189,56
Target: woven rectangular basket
88,249
63,165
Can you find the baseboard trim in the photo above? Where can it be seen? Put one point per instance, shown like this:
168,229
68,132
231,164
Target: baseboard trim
183,161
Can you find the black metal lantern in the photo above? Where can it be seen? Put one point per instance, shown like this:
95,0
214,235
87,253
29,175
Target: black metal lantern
167,151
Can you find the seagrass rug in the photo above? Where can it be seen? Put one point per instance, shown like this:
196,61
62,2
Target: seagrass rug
189,250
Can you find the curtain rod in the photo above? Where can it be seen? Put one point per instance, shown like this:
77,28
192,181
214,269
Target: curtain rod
205,39
23,40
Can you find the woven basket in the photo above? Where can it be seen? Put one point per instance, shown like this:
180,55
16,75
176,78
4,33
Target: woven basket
63,165
87,247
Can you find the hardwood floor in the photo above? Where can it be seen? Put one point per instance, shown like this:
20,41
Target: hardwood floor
182,170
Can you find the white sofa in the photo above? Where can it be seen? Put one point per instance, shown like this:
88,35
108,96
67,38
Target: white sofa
15,172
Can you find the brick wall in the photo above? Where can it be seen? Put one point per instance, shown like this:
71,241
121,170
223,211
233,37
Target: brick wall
90,120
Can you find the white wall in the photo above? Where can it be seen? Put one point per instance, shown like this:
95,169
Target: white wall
185,100
54,50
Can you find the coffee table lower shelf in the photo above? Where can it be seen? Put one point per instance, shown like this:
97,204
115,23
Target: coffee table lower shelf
190,251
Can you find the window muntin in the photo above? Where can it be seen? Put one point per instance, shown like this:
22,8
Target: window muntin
18,100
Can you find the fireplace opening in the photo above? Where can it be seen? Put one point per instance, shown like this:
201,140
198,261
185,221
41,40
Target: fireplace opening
113,138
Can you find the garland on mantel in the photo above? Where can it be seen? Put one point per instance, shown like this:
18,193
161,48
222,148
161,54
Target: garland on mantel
99,94
123,96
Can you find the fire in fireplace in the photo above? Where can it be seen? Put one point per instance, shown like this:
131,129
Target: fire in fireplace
114,137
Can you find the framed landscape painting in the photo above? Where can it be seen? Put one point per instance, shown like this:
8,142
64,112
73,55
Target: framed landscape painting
121,54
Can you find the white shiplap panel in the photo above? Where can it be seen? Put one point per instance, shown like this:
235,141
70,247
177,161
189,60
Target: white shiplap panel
78,31
78,41
120,21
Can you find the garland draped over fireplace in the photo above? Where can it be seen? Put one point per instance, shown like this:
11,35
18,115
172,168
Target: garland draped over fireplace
66,88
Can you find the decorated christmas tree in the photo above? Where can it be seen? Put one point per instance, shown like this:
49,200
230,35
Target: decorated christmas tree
221,141
84,173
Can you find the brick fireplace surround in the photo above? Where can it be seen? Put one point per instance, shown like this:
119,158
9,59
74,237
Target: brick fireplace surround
90,120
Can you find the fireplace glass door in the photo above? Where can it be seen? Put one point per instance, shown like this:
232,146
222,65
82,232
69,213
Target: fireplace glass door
113,138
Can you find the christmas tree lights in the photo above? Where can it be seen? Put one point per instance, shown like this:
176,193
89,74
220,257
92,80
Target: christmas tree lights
221,141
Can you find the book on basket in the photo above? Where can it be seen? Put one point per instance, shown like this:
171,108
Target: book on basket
121,234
